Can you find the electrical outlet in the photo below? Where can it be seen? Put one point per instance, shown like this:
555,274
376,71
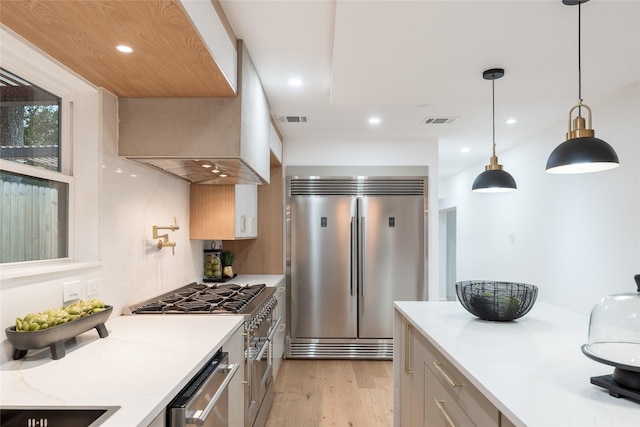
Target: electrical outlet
93,287
512,238
71,291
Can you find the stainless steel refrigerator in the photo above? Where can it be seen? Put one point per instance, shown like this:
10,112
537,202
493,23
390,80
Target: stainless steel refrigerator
356,245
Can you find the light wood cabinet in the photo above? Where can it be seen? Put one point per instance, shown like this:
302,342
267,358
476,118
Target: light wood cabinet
431,391
265,253
223,212
281,332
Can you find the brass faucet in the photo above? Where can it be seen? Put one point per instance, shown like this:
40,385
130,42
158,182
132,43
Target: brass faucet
163,241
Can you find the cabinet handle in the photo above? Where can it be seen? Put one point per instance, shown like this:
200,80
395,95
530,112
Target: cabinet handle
407,336
440,405
444,374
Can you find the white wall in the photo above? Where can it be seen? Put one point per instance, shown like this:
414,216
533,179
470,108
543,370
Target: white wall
117,203
135,198
373,152
576,236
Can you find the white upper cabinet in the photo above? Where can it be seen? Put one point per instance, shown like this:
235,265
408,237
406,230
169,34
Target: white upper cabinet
246,211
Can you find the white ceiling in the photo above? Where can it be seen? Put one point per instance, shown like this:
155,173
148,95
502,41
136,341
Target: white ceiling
405,61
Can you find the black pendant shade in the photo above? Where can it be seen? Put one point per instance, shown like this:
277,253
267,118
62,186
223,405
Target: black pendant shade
582,155
494,179
582,152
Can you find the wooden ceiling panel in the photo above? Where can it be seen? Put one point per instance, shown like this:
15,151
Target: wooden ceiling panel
169,57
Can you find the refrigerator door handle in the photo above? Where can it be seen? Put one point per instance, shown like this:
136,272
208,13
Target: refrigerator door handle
354,237
361,254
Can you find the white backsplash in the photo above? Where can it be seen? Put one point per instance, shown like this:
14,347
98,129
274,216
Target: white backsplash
133,198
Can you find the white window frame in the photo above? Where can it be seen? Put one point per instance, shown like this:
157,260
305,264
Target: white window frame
30,65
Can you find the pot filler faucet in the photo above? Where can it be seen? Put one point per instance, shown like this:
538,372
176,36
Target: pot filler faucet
163,241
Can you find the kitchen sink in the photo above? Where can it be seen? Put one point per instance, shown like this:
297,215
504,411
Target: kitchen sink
40,416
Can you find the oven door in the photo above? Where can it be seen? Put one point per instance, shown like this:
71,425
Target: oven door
204,401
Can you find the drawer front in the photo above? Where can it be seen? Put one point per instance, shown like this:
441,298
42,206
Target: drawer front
472,402
441,408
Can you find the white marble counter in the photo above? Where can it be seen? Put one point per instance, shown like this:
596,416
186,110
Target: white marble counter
252,279
531,369
143,363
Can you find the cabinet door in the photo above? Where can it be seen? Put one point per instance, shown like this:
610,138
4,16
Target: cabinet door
235,347
431,391
246,210
408,358
223,212
281,332
419,363
401,377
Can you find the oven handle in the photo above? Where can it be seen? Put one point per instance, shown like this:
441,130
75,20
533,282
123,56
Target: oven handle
269,338
200,416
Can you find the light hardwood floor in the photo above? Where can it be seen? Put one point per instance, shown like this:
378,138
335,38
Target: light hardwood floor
350,393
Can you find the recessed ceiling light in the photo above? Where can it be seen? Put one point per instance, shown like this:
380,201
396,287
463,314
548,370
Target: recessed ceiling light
511,121
295,82
223,175
124,48
465,149
374,121
206,165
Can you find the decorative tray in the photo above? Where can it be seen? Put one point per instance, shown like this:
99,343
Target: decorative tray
55,337
218,280
619,354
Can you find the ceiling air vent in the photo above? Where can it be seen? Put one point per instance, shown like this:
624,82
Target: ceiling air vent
439,120
291,119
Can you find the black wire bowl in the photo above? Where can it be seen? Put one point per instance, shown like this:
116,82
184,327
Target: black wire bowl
499,301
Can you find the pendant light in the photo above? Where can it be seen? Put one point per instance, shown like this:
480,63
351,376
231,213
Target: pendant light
582,152
494,179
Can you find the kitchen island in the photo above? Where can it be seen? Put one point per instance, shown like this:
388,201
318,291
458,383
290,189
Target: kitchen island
529,372
143,363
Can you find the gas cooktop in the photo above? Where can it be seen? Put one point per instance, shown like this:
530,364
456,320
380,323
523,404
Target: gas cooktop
196,298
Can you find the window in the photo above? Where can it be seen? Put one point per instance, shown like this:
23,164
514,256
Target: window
34,214
29,123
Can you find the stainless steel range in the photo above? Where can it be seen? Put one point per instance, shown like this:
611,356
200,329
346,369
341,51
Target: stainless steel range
255,303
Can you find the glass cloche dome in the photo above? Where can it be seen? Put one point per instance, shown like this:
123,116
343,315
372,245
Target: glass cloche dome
614,336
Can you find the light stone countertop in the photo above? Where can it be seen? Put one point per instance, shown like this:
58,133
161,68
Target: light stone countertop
143,363
531,369
253,279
